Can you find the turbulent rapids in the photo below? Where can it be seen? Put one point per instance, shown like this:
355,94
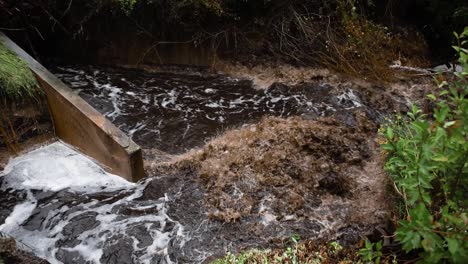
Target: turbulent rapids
71,211
180,108
66,209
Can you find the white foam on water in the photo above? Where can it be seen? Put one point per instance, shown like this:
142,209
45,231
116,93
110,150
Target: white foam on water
20,213
350,96
57,167
114,94
210,90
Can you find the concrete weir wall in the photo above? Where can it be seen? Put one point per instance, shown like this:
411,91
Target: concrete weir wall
80,125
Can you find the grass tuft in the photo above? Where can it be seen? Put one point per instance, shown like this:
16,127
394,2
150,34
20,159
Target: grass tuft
16,79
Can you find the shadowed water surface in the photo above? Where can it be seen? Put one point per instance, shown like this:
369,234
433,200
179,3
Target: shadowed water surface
175,111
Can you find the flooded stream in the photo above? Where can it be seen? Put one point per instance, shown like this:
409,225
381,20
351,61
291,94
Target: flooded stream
66,209
178,110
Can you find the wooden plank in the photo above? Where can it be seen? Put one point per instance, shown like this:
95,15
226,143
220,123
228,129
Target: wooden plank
80,125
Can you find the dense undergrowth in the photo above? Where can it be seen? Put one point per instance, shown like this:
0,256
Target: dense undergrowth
428,162
357,37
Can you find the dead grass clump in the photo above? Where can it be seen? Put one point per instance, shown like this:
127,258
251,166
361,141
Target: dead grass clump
21,120
365,49
344,40
287,159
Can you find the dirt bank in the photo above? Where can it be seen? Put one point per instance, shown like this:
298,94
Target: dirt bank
23,125
11,253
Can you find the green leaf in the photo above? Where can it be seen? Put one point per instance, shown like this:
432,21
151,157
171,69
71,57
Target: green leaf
411,240
428,244
441,114
388,147
378,246
453,245
390,133
421,214
440,158
442,84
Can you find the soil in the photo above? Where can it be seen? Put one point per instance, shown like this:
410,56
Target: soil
24,125
10,252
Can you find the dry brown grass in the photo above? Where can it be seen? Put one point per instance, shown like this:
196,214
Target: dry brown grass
22,120
364,49
341,40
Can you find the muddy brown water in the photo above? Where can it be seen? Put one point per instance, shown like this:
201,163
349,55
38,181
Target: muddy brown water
176,111
162,219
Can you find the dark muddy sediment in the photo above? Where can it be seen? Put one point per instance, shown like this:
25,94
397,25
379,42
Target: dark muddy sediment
11,252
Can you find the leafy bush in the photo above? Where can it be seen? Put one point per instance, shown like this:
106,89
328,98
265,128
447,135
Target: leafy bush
127,5
370,253
428,161
16,79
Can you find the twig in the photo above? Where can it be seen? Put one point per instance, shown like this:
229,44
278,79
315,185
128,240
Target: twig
68,9
12,29
4,134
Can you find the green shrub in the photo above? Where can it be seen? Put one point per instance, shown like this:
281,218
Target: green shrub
428,161
127,5
306,252
370,253
16,79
